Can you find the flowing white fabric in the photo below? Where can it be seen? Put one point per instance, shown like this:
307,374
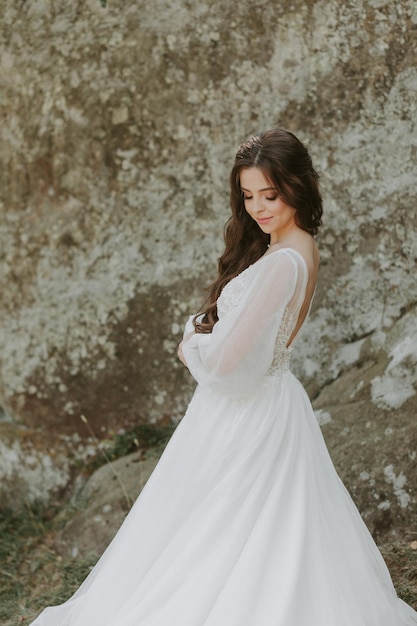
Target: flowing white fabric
244,521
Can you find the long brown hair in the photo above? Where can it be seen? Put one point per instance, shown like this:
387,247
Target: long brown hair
287,165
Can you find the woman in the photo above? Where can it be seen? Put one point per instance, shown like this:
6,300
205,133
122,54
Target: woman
245,522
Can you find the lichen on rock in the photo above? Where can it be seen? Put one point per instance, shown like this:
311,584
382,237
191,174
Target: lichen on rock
121,126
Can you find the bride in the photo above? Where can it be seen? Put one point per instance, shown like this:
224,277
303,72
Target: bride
244,521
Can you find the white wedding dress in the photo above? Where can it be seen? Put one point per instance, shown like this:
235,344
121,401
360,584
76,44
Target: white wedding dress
244,521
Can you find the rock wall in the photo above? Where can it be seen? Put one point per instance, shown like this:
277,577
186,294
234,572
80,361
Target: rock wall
120,123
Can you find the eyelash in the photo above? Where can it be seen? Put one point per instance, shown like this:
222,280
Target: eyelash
271,199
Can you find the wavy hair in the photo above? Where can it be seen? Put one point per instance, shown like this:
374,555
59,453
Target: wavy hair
286,164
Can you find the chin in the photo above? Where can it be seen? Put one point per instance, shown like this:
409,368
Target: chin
265,229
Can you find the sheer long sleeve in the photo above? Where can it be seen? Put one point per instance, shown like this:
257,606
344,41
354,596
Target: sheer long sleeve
189,327
239,351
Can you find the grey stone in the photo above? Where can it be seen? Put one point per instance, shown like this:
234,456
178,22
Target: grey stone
99,508
120,129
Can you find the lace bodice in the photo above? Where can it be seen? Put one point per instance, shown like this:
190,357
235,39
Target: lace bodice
257,310
231,297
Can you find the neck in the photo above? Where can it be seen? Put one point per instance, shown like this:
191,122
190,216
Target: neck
281,238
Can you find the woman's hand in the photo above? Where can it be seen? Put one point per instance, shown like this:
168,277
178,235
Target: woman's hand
180,353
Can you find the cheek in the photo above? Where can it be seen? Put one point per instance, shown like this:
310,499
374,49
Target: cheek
284,209
247,206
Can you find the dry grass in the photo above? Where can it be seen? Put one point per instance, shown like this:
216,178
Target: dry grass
402,563
32,575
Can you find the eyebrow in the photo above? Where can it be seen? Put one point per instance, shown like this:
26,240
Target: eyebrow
265,189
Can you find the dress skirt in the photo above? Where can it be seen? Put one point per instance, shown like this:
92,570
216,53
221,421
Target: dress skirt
244,522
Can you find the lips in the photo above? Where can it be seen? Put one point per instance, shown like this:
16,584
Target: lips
263,220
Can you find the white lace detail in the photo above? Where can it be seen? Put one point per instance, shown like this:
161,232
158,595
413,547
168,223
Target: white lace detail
282,355
231,295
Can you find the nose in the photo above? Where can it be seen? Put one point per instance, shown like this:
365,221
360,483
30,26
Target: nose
258,205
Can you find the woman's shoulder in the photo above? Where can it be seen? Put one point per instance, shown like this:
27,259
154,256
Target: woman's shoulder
303,245
306,247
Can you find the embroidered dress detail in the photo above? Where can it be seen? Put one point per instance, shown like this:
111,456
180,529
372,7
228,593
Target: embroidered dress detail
231,295
282,355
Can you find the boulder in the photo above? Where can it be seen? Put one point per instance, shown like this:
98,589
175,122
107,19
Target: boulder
121,123
368,419
98,509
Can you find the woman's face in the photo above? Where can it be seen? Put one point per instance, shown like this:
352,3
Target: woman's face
273,216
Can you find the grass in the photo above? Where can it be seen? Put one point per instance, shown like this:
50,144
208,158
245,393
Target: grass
149,438
18,534
33,575
402,563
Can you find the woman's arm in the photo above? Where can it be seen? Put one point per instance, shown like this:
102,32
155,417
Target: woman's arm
240,349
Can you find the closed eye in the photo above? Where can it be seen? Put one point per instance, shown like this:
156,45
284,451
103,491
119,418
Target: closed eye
270,198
